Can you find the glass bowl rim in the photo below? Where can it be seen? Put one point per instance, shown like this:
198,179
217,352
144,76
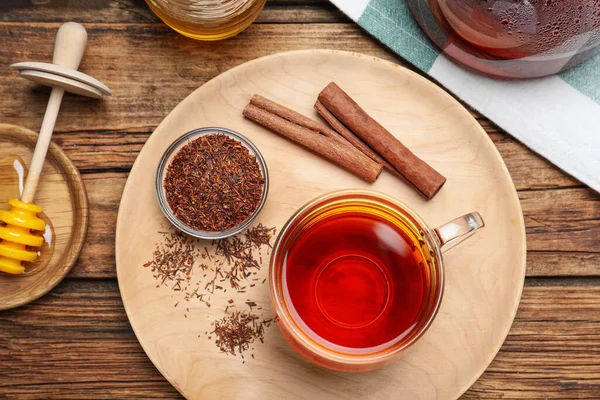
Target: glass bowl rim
176,146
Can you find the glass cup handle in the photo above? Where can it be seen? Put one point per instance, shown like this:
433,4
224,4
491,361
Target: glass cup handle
452,233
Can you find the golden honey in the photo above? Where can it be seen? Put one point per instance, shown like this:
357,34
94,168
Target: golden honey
207,19
22,231
17,235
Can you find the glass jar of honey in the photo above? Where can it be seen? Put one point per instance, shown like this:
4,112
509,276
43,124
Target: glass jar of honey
207,19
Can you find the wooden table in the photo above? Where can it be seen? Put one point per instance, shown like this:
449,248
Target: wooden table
76,341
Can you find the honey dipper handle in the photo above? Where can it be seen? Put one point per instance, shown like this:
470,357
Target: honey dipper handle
69,45
68,50
41,147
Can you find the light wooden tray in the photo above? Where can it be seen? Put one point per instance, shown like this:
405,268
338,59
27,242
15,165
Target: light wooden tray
63,199
484,274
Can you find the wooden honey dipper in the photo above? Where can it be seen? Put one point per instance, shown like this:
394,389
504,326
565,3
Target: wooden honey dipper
19,234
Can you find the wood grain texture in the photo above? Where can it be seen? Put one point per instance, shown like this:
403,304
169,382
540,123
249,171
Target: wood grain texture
102,358
63,199
83,319
558,224
136,11
482,285
155,72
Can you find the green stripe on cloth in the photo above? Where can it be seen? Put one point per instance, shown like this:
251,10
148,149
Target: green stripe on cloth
585,78
392,23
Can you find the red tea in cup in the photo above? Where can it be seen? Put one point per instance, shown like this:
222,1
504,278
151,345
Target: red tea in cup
356,280
356,277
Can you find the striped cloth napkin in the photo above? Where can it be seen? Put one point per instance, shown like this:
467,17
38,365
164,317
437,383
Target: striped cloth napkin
556,116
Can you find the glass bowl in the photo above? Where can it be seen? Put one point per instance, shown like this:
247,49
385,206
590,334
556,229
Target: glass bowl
174,148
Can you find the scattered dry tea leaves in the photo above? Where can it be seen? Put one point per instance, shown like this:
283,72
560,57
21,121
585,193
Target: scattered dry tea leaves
240,253
187,265
173,260
238,330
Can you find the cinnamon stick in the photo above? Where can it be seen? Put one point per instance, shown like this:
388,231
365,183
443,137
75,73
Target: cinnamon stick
291,115
328,144
354,140
426,179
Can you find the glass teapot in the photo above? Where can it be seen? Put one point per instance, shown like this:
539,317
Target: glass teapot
512,38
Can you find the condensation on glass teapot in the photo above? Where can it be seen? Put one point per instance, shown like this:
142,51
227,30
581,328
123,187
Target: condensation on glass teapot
513,38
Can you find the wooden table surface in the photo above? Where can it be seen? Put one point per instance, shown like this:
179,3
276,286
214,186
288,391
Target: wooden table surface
76,341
